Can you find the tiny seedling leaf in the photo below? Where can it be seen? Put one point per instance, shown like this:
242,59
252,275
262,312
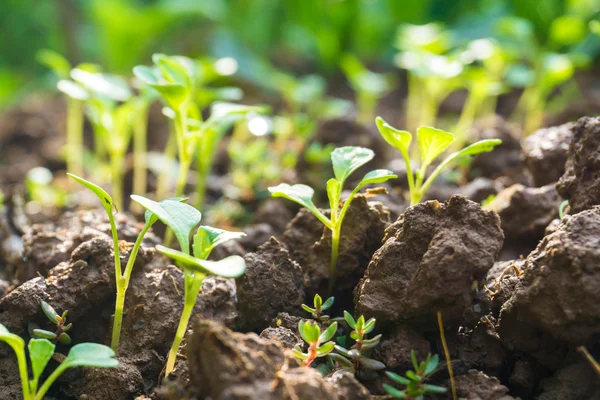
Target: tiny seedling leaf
369,325
432,143
369,363
151,218
64,338
175,94
40,352
44,334
434,389
341,359
349,319
328,333
348,159
325,349
229,267
308,309
396,138
309,331
91,355
377,176
482,146
397,378
180,217
300,194
104,85
328,303
432,364
413,358
72,89
396,393
55,61
207,238
105,199
49,311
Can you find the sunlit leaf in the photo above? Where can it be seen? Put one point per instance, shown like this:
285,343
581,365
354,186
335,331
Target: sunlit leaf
328,333
40,352
328,303
300,194
396,138
207,238
348,159
55,61
229,267
349,319
105,85
44,334
377,176
397,378
91,355
72,90
105,199
432,143
325,349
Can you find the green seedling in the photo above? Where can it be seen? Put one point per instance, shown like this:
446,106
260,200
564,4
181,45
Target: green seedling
319,307
369,86
355,359
345,161
432,143
415,387
60,334
319,344
40,352
195,266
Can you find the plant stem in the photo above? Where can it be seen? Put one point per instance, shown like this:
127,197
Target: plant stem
335,243
118,272
55,374
446,354
74,136
22,362
139,152
162,185
413,102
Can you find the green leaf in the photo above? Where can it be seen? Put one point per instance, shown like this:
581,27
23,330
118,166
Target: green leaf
396,138
350,320
434,389
55,61
328,303
207,238
180,217
175,69
49,312
40,352
318,302
309,331
412,376
64,338
325,349
308,309
371,364
377,176
103,85
91,355
360,323
222,110
299,354
482,146
413,358
567,30
392,391
348,159
342,350
341,359
229,267
354,353
432,143
302,195
72,89
105,199
556,69
369,325
44,334
397,378
151,218
328,333
432,364
175,94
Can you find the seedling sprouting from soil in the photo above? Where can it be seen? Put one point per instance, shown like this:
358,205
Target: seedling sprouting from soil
355,359
40,352
415,388
345,161
319,344
432,143
60,334
319,307
196,267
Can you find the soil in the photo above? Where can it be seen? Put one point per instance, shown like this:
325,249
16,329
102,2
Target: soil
517,286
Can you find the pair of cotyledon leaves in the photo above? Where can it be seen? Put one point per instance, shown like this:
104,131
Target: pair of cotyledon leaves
182,219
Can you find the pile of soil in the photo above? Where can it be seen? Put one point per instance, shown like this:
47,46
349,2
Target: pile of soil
518,287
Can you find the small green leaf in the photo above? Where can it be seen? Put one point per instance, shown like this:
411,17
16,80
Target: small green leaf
180,217
355,335
371,364
328,303
482,146
223,110
309,331
432,364
207,238
91,355
349,319
434,389
341,359
318,302
325,349
175,69
44,334
300,194
72,89
354,353
369,325
413,358
412,376
64,338
299,354
360,323
348,159
432,143
229,267
105,199
377,176
392,391
175,94
396,138
308,309
55,61
104,85
49,311
342,350
397,378
40,352
328,333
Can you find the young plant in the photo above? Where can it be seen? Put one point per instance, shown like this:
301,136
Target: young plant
319,307
319,344
432,143
345,161
40,352
415,388
122,277
196,267
356,359
60,334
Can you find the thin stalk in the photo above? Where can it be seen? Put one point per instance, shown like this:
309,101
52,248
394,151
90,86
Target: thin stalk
413,102
117,256
22,362
162,185
116,175
335,244
74,136
446,354
140,149
48,383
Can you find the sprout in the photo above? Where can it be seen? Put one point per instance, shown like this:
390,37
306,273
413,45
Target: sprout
40,352
413,380
432,143
319,307
345,161
319,344
60,334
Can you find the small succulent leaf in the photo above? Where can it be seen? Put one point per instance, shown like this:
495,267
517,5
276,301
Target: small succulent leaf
413,358
434,389
67,327
371,364
353,353
369,325
328,333
311,331
341,359
325,349
72,89
370,345
342,350
44,334
301,329
49,311
105,199
308,309
207,238
11,339
395,393
328,303
91,355
348,159
412,376
318,302
397,378
373,339
396,138
229,267
40,352
180,217
360,323
349,319
377,176
432,364
355,335
432,143
105,85
299,354
64,338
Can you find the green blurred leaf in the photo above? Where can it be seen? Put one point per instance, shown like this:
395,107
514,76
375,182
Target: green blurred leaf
104,85
55,61
40,352
229,267
371,364
324,349
44,334
392,391
64,338
91,355
207,238
377,176
397,378
49,312
318,301
72,89
328,333
567,30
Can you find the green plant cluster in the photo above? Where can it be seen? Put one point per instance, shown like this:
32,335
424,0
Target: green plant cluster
414,381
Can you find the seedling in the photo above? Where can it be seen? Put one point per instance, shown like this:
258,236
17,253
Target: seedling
355,359
40,352
319,307
432,143
196,267
60,334
167,207
345,161
415,388
319,344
